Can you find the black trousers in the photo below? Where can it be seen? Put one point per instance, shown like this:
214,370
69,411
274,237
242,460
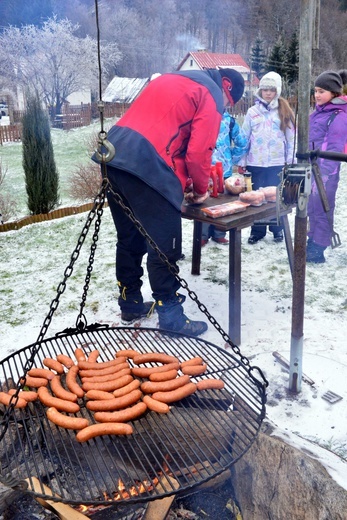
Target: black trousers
162,222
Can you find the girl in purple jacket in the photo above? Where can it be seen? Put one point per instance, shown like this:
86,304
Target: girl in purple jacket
328,131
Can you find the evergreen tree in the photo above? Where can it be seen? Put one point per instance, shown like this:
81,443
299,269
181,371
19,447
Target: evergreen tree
258,58
293,59
277,60
41,175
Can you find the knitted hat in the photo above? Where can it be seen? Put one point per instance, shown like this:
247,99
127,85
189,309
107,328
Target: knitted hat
233,84
329,80
271,80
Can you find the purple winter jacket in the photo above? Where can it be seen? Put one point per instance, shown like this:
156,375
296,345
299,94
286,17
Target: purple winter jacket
328,132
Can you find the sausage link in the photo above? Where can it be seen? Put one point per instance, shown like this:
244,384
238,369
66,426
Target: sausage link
127,388
41,372
175,395
5,399
107,377
34,382
154,357
155,406
164,386
49,400
194,370
87,365
59,391
71,381
206,384
127,353
54,364
98,395
147,371
193,361
93,356
108,386
80,355
27,395
128,414
103,371
65,421
163,376
65,360
95,430
117,403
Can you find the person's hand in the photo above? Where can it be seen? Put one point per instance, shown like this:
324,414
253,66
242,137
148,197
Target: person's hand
241,169
195,198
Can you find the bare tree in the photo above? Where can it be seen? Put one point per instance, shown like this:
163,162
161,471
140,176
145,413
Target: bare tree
52,61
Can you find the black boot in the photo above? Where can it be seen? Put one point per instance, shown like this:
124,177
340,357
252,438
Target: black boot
132,305
314,253
172,317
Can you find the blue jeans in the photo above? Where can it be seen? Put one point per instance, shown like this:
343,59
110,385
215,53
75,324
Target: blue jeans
209,230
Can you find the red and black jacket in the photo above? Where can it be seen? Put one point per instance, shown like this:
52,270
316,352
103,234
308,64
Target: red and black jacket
170,131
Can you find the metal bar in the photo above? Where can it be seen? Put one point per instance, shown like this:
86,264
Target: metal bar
235,285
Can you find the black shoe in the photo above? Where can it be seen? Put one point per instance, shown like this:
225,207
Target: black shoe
190,327
253,239
315,253
128,318
278,237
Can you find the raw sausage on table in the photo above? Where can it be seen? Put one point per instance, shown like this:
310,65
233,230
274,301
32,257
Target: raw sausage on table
65,421
95,430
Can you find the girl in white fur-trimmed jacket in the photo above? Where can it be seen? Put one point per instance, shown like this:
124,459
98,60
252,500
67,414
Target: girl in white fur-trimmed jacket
269,126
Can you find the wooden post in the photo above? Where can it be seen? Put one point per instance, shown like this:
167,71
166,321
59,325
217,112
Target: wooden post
307,16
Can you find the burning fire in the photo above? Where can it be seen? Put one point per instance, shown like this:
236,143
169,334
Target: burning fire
122,493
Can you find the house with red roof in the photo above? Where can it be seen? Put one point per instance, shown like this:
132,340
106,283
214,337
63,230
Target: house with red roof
203,59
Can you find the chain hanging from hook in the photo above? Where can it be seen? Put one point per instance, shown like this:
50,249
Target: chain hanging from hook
103,142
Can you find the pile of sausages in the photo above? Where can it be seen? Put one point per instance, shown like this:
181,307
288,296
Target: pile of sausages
116,391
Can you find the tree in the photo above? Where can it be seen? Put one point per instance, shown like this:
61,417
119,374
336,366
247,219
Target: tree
41,175
277,58
293,59
52,62
258,58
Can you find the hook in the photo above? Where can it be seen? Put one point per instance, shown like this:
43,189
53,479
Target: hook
103,142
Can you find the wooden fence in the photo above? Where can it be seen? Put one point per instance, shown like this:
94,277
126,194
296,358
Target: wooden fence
10,133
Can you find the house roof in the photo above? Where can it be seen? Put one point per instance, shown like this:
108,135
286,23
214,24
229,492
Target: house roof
212,60
124,90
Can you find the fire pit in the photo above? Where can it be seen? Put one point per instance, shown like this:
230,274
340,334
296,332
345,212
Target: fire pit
199,438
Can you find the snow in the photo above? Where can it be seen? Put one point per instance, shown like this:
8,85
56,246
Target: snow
33,261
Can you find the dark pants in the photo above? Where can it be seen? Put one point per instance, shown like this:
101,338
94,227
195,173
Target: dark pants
162,223
262,177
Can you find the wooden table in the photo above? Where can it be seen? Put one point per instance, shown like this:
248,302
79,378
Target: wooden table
234,224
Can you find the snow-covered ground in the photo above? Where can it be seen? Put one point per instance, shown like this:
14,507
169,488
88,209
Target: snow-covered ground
34,258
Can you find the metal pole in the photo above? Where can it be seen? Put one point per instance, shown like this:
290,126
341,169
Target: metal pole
299,268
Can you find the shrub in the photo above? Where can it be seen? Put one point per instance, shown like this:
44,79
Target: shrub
41,175
7,205
85,182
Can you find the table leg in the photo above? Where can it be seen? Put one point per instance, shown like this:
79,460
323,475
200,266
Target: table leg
196,253
235,286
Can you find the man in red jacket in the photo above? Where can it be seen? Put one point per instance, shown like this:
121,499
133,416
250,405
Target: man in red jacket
165,139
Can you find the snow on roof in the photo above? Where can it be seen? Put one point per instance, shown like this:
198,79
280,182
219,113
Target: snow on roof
124,90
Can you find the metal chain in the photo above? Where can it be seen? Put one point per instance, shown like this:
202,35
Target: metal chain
184,284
